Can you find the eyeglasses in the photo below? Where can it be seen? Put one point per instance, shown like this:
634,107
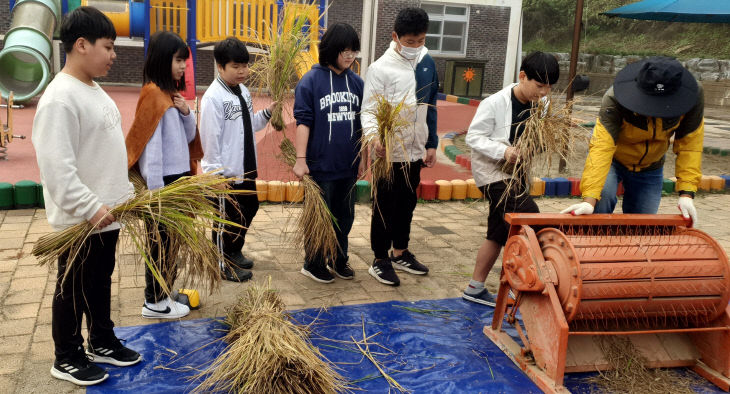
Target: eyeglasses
350,54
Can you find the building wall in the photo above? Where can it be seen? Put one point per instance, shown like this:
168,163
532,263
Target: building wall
346,11
487,38
4,16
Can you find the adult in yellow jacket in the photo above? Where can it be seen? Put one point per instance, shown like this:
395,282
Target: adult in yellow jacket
650,102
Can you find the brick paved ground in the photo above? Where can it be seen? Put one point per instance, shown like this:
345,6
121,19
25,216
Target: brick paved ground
445,236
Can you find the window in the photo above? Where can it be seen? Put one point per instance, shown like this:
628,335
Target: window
447,29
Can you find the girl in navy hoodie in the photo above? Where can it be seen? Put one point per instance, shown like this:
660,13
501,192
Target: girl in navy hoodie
327,111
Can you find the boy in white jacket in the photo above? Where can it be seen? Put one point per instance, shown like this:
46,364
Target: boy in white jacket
227,126
405,72
495,129
79,143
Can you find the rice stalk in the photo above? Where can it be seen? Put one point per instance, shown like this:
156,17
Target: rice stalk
184,208
441,313
275,70
267,353
629,373
364,347
315,231
391,118
549,132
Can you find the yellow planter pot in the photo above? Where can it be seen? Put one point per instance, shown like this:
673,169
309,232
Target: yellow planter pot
276,191
473,190
262,190
458,189
538,187
294,191
444,192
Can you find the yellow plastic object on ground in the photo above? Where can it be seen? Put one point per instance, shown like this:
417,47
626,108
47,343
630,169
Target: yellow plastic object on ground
705,183
189,297
294,191
473,190
717,183
276,191
262,190
444,192
458,189
538,187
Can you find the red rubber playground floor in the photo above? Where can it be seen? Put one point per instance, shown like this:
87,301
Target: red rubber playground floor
21,161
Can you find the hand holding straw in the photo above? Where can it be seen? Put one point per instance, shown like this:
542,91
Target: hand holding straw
315,224
185,208
547,132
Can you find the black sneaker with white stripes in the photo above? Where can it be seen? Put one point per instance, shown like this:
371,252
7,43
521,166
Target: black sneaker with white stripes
382,270
79,370
407,262
114,354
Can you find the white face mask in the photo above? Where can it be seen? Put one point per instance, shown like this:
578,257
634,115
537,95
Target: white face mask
410,53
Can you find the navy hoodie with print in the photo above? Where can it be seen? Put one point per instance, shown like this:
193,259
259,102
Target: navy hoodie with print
329,104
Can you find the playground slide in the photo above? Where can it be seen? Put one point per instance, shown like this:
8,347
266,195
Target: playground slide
25,61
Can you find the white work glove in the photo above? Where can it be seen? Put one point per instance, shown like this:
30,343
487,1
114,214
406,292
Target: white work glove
687,206
584,208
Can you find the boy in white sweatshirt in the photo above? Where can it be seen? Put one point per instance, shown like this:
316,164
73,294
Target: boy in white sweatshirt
492,136
79,143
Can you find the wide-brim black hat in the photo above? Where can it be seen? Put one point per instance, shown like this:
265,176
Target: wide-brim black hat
657,86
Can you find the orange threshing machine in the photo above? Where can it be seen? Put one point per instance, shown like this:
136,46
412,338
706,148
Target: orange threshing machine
647,277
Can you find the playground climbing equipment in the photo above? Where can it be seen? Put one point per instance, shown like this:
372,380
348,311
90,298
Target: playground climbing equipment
6,129
26,59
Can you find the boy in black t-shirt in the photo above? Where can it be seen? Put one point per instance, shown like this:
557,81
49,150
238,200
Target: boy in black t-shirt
493,133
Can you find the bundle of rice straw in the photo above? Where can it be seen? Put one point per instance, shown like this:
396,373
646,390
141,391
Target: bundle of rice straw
184,207
315,232
630,374
390,117
548,132
267,352
276,69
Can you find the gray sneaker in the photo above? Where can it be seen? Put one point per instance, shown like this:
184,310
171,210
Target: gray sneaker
483,297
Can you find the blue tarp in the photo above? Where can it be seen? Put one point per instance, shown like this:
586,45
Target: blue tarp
698,11
442,351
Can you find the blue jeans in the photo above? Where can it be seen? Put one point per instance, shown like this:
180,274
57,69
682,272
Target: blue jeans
642,190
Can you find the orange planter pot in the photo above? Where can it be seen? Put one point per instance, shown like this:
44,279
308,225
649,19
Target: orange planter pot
472,190
276,191
716,183
538,187
294,191
458,189
444,190
262,190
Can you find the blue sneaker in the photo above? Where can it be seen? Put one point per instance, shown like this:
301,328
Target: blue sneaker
483,297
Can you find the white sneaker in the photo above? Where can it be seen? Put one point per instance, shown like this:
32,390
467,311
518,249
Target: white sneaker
165,309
